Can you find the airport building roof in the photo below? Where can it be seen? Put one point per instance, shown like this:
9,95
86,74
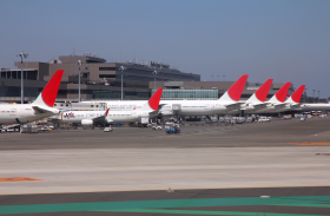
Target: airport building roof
102,80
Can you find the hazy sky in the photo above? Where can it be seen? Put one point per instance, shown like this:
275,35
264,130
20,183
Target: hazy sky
285,40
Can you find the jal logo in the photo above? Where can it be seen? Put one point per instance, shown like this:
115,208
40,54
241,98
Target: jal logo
69,115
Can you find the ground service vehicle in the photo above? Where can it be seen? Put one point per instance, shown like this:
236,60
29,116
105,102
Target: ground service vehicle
263,119
156,127
108,129
172,128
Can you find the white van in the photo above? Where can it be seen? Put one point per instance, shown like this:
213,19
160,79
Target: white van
263,119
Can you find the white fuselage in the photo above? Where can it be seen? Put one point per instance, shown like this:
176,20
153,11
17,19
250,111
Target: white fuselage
177,107
20,113
313,107
76,117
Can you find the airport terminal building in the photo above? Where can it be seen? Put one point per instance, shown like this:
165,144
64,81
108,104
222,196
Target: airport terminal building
102,80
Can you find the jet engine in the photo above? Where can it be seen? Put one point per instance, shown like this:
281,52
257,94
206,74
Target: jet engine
108,120
87,122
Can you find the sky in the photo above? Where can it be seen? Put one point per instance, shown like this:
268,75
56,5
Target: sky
287,40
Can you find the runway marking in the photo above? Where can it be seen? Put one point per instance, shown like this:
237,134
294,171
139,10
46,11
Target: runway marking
322,154
170,206
198,212
311,143
18,179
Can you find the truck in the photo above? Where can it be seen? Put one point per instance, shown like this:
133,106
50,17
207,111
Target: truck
172,128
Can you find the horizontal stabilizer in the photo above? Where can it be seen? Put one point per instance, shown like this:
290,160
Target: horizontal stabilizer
295,106
41,110
233,106
279,106
255,106
259,106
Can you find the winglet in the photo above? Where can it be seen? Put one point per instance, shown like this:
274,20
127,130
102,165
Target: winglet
236,90
154,100
106,112
282,93
263,90
296,96
49,93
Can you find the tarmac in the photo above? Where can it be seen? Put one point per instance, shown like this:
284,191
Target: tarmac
285,159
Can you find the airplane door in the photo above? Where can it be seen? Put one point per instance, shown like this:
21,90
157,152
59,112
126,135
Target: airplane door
21,113
213,107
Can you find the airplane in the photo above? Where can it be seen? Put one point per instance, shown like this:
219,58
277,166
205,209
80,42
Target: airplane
306,106
276,102
88,118
227,102
256,101
41,108
292,102
313,107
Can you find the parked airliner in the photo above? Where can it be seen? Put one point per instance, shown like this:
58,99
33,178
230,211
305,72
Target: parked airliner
256,101
41,108
277,101
86,118
227,102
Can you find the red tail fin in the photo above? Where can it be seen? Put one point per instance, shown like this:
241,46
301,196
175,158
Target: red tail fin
281,94
263,90
154,100
49,93
236,90
296,96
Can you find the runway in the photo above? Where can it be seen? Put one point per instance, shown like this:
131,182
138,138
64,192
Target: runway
194,135
287,160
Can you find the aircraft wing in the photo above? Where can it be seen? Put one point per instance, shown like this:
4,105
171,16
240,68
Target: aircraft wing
10,125
100,120
153,113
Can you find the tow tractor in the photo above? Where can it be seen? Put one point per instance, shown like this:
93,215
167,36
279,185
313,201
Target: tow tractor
172,128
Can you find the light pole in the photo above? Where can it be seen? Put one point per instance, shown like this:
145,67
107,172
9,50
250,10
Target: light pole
155,73
318,95
22,55
212,77
313,95
122,68
305,95
79,63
